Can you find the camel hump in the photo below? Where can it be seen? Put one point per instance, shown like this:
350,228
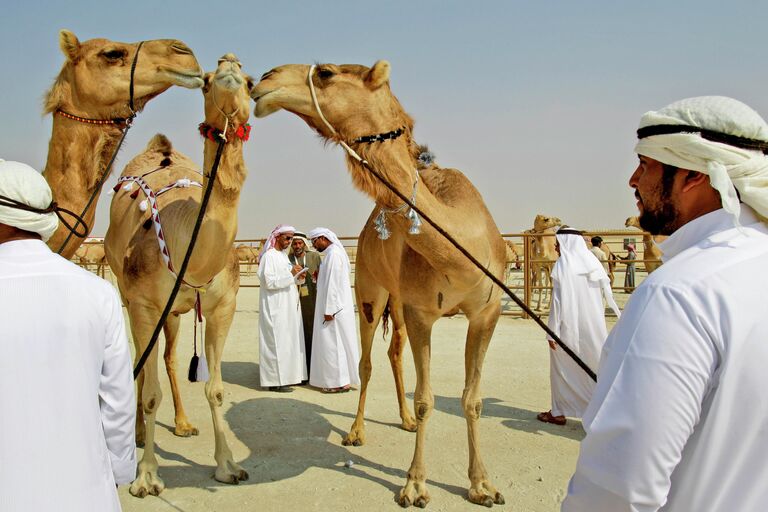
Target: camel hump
161,144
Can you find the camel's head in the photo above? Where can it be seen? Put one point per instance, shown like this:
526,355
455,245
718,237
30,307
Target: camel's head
632,222
356,100
227,94
95,79
542,222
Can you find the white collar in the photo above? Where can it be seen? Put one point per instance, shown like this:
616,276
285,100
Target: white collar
26,247
707,227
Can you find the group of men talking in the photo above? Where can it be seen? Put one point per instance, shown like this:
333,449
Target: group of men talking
675,420
307,331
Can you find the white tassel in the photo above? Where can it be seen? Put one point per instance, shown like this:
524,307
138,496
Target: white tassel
143,205
128,186
202,367
183,182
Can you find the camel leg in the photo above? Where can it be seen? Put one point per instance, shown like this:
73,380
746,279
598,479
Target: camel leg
143,320
218,321
481,327
395,353
140,430
171,329
419,332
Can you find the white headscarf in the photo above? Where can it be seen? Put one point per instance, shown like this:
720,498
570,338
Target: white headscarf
22,183
577,260
331,236
728,166
301,236
270,243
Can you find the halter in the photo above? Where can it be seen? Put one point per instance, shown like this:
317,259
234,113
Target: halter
380,223
124,124
52,208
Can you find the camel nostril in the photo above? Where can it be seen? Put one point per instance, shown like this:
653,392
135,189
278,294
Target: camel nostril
181,48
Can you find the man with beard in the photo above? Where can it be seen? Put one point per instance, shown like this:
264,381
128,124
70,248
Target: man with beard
676,418
299,255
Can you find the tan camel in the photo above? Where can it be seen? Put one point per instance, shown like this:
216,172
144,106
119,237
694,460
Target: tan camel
246,255
543,254
419,276
144,277
92,254
94,85
514,255
651,252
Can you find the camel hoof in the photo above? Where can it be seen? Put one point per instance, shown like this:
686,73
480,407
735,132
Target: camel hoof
498,499
145,484
421,502
233,475
404,502
409,426
354,438
185,431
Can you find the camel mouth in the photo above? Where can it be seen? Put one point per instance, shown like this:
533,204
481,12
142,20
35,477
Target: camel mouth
263,107
229,80
188,79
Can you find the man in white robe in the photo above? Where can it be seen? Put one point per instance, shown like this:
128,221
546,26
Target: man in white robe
677,419
67,403
579,283
335,352
282,361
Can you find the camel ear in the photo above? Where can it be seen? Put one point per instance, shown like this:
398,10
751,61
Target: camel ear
69,45
207,79
378,75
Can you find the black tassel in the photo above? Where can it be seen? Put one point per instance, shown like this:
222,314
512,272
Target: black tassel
193,368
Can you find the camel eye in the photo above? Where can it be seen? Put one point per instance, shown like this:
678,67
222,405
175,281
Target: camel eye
114,55
324,73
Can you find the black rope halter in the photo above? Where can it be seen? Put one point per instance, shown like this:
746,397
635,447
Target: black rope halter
52,208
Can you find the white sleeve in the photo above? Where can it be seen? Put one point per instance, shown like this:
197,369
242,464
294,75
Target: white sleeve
555,315
645,406
334,299
117,399
274,274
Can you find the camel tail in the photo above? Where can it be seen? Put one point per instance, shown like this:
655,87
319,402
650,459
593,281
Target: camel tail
385,321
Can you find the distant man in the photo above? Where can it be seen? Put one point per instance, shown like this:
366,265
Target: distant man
67,426
282,361
579,284
335,352
304,258
677,419
597,243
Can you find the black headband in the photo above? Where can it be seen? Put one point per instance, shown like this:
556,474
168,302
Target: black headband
569,231
52,208
723,138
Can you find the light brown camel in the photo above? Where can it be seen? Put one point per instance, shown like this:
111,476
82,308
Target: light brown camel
651,252
543,254
420,276
94,85
246,255
92,254
143,275
514,254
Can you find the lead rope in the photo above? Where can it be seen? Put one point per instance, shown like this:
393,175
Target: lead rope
108,168
185,263
448,237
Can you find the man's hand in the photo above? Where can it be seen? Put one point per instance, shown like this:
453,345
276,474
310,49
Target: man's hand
296,269
327,318
552,344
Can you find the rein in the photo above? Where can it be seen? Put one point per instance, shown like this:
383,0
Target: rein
52,208
446,235
124,124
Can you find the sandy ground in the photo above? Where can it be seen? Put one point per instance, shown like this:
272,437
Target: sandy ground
290,443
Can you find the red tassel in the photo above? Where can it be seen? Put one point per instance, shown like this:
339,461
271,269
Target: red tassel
116,188
135,194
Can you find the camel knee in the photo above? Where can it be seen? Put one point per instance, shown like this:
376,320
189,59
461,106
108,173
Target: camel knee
151,401
215,394
472,408
423,409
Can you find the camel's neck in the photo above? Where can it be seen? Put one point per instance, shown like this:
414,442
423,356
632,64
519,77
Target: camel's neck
219,227
77,158
393,160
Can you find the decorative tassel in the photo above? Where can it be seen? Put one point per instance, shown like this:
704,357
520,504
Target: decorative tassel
183,182
202,368
143,205
116,188
380,225
128,186
193,365
135,194
415,228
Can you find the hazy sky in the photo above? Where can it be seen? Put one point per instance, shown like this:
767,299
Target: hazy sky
536,102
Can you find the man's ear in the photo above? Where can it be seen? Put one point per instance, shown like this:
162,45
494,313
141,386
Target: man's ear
694,179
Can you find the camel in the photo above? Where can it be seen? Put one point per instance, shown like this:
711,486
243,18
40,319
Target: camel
92,254
92,89
543,254
248,255
651,252
514,254
143,276
418,277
